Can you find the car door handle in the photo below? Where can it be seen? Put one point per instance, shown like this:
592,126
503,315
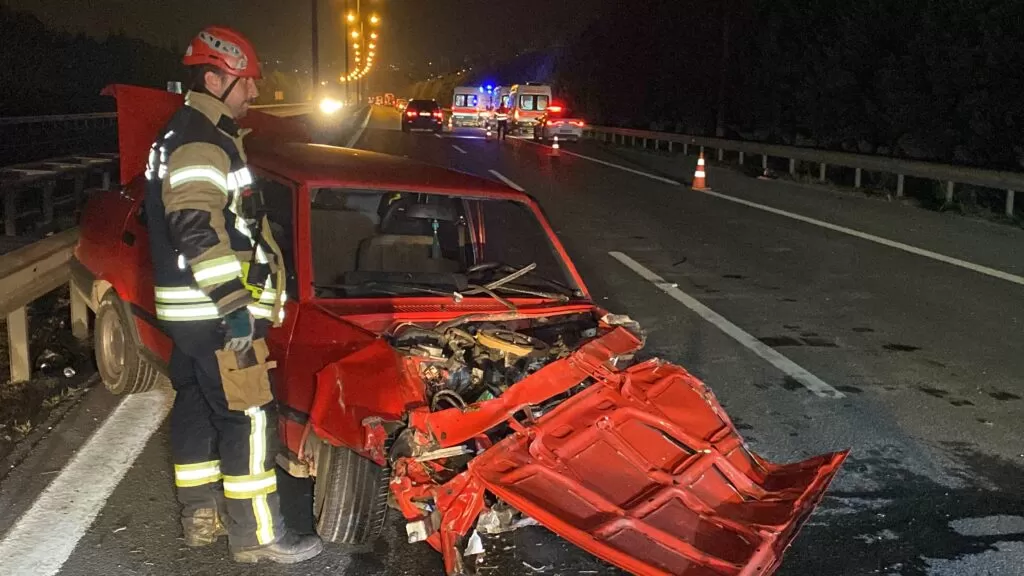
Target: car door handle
128,238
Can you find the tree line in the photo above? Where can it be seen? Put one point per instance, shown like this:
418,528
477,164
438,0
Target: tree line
915,78
54,72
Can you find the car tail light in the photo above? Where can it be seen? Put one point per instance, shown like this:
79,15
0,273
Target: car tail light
555,122
438,114
577,123
410,113
554,108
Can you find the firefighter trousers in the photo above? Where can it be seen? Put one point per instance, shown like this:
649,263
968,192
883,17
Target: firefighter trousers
223,459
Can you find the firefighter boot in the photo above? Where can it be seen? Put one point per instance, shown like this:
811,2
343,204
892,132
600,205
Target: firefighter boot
290,548
203,527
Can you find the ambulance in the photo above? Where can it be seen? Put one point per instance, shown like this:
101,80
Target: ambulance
467,102
527,103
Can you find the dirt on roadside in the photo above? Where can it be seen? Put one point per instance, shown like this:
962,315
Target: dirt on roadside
62,370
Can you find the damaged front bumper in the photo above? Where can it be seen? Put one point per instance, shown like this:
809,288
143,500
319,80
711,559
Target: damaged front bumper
642,468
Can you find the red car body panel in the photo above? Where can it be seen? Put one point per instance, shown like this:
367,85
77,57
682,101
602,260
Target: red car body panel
686,495
681,493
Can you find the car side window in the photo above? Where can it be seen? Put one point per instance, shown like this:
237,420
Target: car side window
279,202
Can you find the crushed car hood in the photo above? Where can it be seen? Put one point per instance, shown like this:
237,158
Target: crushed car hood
645,470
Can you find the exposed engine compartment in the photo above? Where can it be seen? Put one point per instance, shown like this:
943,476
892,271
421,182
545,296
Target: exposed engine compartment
467,362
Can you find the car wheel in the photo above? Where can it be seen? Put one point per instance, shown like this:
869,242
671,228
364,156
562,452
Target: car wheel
121,364
405,127
350,498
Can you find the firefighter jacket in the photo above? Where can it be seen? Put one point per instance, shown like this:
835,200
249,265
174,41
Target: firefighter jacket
501,115
200,241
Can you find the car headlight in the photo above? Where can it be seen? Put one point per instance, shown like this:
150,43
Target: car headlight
330,105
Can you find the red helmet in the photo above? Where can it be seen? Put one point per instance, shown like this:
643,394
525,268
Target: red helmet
225,49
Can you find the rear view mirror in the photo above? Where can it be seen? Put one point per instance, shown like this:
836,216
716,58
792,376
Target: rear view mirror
440,212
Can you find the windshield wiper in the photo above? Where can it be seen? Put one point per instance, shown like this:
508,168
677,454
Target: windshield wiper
376,286
565,292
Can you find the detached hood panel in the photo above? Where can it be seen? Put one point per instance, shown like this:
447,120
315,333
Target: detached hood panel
646,471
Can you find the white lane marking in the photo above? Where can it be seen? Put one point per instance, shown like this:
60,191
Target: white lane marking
624,168
359,133
47,534
436,135
459,149
501,177
787,366
877,239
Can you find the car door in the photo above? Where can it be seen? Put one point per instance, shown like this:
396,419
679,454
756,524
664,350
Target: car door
137,286
277,196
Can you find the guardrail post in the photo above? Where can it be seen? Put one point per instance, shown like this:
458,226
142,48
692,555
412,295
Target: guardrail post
856,178
17,340
1009,203
670,143
821,171
106,180
634,141
792,166
48,202
741,157
79,313
721,154
764,161
11,214
686,149
949,191
899,185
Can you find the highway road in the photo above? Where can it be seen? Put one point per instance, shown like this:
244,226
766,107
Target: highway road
821,319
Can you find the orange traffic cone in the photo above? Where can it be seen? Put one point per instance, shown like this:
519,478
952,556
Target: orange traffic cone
554,145
699,176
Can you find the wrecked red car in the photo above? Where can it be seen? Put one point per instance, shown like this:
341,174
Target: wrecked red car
441,356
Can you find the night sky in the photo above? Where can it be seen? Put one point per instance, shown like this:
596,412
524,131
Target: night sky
413,31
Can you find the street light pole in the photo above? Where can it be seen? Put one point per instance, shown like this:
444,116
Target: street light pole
359,15
316,48
345,38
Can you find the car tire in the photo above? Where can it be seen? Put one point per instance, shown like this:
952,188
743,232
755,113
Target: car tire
405,128
119,359
350,498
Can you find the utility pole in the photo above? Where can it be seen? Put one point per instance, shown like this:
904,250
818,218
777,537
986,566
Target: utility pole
723,72
316,48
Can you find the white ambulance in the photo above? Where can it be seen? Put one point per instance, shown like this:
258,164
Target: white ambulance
527,103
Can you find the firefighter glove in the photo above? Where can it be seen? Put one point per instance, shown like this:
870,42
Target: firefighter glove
240,327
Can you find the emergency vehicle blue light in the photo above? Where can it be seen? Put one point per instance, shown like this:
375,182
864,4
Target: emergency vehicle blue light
481,88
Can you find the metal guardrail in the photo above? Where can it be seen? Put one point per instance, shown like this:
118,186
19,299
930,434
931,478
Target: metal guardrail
55,118
27,274
951,175
65,118
43,178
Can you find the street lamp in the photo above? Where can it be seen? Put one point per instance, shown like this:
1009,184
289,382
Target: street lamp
355,34
351,17
374,19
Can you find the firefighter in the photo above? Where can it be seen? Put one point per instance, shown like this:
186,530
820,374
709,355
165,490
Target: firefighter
501,117
218,280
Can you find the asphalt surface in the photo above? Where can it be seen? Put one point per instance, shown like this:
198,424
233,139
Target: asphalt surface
925,355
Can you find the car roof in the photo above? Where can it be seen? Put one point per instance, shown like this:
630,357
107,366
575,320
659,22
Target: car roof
322,165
